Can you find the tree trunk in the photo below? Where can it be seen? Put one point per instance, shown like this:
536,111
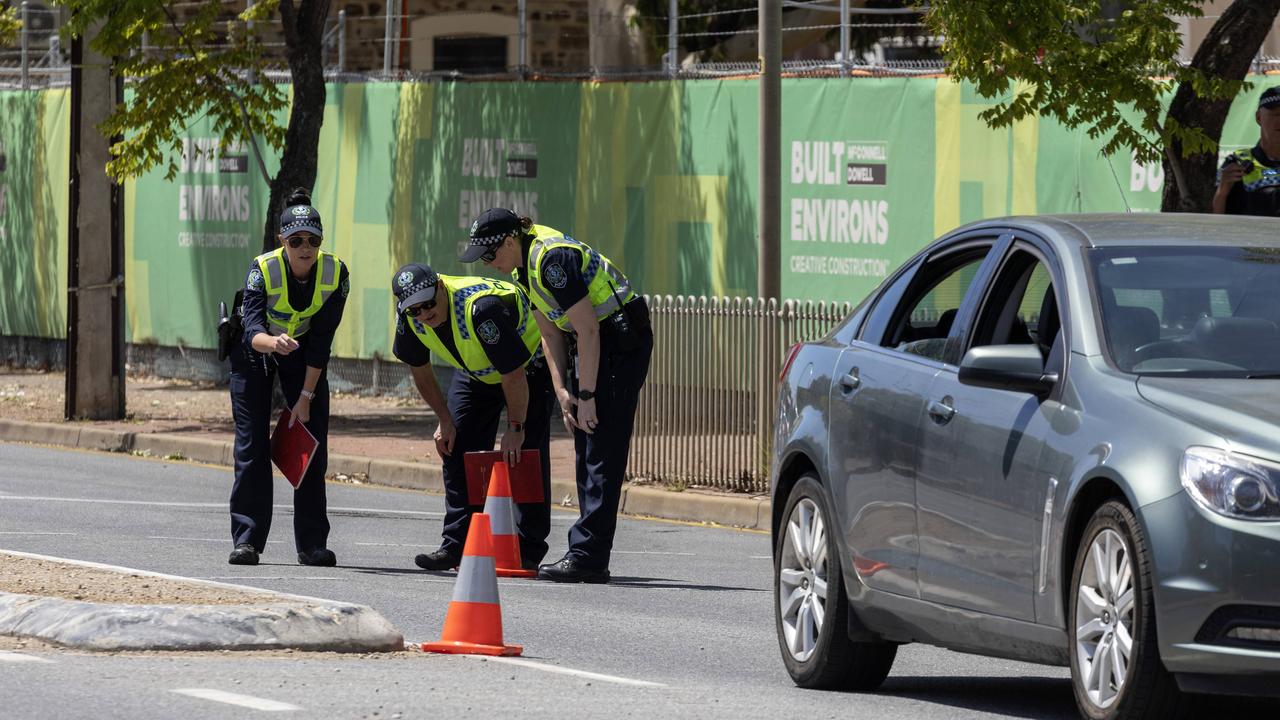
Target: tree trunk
1227,52
303,34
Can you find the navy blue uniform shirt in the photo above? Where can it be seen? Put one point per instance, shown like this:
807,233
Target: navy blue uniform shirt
316,343
495,321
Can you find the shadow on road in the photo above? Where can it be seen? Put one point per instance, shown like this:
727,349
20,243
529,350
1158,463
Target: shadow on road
668,584
1040,698
1043,697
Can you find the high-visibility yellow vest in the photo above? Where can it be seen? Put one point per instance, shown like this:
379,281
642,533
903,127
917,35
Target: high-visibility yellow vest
607,287
462,293
1259,176
281,317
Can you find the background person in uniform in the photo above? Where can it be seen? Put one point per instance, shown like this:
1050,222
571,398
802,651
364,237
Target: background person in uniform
581,297
293,303
486,329
1249,180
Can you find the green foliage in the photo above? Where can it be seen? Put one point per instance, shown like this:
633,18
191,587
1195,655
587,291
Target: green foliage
1082,62
9,25
207,63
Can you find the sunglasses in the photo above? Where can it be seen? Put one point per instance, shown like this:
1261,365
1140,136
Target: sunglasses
489,255
295,241
414,310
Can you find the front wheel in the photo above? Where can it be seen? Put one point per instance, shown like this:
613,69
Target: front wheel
810,605
1116,672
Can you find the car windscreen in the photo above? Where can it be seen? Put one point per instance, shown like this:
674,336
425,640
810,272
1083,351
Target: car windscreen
1190,311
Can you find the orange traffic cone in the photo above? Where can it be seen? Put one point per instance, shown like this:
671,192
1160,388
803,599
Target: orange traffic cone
502,518
473,625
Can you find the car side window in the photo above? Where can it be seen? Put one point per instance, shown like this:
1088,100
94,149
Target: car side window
882,314
925,317
1022,308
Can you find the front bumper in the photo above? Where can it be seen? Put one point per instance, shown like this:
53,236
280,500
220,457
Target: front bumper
1213,574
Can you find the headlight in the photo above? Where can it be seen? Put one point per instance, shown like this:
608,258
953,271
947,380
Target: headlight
1232,485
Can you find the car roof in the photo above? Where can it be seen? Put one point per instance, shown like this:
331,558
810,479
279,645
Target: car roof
1127,229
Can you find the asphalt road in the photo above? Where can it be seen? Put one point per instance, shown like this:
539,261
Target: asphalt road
686,629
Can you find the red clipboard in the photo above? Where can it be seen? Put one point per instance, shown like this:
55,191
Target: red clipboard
526,477
292,448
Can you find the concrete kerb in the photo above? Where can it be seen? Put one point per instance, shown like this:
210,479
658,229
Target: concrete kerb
738,511
293,621
731,510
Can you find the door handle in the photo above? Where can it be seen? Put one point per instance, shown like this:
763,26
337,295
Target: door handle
941,410
850,381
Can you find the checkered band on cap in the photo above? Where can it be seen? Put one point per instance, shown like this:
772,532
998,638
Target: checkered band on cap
299,218
423,283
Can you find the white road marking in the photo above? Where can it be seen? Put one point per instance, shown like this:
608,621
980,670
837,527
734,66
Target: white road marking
249,701
13,657
651,552
759,557
148,573
567,671
23,532
213,540
154,503
266,577
412,545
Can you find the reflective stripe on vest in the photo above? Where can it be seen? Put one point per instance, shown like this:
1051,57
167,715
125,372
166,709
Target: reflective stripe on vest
281,317
1260,176
606,285
462,294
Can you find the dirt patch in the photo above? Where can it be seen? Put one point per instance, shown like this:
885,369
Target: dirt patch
386,427
29,576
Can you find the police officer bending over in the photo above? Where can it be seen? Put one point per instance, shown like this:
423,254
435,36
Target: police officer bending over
293,302
580,296
484,328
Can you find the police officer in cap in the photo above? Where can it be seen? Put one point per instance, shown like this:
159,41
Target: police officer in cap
584,302
293,302
1249,180
486,329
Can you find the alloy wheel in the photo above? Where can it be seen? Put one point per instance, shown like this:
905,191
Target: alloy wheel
802,579
1104,618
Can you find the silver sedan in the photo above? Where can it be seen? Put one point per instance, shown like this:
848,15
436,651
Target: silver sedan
1051,439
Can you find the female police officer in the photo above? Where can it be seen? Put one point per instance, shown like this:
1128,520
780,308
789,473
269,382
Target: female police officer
293,302
577,290
485,329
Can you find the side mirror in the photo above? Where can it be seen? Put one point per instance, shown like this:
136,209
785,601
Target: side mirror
1019,368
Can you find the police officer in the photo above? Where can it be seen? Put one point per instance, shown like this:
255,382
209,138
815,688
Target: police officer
293,302
592,320
486,329
1249,180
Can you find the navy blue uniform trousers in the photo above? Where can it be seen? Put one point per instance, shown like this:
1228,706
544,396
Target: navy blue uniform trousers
252,493
602,455
476,407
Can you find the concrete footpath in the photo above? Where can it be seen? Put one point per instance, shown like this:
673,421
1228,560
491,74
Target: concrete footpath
749,512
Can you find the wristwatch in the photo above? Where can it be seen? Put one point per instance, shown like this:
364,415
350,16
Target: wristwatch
515,426
586,394
308,394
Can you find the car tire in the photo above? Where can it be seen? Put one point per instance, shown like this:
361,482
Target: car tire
1116,607
812,626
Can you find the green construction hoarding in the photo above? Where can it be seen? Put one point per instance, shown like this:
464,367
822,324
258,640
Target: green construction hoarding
660,176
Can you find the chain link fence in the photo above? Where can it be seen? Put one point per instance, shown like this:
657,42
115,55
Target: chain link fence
389,46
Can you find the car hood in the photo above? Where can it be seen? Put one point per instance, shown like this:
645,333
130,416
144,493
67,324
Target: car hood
1244,412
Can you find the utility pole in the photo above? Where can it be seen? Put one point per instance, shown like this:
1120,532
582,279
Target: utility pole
768,271
95,268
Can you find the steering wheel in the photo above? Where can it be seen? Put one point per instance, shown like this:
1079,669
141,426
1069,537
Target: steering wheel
1165,349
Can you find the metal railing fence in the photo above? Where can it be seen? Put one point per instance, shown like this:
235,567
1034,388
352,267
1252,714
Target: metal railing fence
706,412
